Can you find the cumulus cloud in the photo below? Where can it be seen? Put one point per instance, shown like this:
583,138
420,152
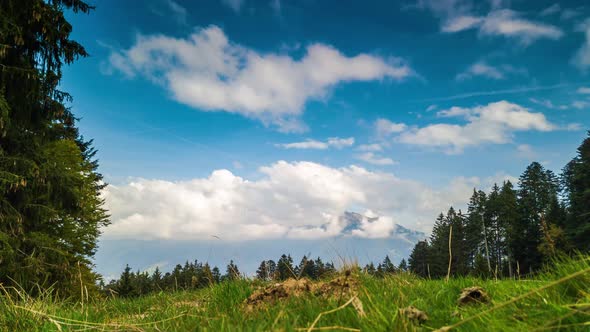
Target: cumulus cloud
288,200
385,127
371,158
481,69
583,90
208,72
506,23
334,142
461,23
490,124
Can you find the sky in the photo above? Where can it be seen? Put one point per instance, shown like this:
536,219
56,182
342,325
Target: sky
244,129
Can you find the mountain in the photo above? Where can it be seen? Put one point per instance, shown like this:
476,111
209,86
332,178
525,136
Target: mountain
354,221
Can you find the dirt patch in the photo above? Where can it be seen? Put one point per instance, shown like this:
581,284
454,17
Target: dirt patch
474,294
413,314
272,293
343,286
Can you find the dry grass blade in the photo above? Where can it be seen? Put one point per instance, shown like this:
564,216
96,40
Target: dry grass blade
312,327
74,322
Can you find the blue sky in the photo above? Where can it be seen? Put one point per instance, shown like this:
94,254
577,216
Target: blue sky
267,120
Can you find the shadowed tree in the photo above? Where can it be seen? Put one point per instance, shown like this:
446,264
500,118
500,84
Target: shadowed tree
50,206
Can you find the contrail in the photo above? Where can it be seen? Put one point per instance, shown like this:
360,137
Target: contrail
500,92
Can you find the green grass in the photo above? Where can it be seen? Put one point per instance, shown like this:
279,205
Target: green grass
554,301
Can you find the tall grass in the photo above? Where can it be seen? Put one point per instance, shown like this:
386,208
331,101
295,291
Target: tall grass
555,300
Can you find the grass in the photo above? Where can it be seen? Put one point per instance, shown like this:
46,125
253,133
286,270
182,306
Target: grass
558,300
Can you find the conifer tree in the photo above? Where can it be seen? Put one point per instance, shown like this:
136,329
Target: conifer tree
418,261
50,204
576,183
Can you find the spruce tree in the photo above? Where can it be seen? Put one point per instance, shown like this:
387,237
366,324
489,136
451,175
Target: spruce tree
418,261
576,183
537,189
50,204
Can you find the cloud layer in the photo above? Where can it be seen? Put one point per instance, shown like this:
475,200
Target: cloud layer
503,22
494,123
299,200
332,142
208,72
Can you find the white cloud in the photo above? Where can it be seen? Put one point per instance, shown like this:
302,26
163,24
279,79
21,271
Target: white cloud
370,147
526,151
481,69
384,127
491,124
580,104
553,9
334,142
573,127
431,108
170,8
568,13
371,158
506,23
582,57
288,200
583,90
548,104
208,72
235,5
461,23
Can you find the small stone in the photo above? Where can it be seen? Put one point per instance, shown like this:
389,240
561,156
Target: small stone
414,314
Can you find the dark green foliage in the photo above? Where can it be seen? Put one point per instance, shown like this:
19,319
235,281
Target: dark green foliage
50,207
188,277
419,259
285,268
576,180
512,232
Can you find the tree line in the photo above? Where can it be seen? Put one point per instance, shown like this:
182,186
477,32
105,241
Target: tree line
512,231
195,275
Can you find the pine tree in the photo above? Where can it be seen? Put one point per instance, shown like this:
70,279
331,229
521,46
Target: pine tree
576,183
232,271
387,266
285,267
474,227
508,219
418,261
537,189
50,203
403,266
439,247
156,280
216,274
125,284
262,272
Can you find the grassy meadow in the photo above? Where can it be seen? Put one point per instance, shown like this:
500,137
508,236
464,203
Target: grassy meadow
557,300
